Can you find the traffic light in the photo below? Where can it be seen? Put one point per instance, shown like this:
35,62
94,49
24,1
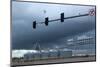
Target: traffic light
62,17
34,24
46,21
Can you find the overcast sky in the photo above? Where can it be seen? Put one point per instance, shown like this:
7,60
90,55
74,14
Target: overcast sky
24,13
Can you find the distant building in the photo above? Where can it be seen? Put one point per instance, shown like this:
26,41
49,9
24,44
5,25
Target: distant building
52,53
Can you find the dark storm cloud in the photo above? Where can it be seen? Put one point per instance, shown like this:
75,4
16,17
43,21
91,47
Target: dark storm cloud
24,36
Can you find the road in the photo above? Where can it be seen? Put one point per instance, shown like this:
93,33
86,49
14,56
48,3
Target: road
52,61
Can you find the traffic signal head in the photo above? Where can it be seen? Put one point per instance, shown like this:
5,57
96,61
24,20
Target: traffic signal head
46,21
34,24
62,17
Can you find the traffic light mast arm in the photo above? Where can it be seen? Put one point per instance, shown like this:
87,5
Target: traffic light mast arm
71,17
76,16
62,19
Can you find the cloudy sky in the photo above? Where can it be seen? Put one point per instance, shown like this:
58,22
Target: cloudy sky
24,13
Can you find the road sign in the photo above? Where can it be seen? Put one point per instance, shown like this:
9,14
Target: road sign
91,12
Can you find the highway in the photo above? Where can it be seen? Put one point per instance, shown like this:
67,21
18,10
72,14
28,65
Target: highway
54,61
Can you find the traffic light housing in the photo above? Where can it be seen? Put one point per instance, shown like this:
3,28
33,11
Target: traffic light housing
46,21
34,24
62,17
